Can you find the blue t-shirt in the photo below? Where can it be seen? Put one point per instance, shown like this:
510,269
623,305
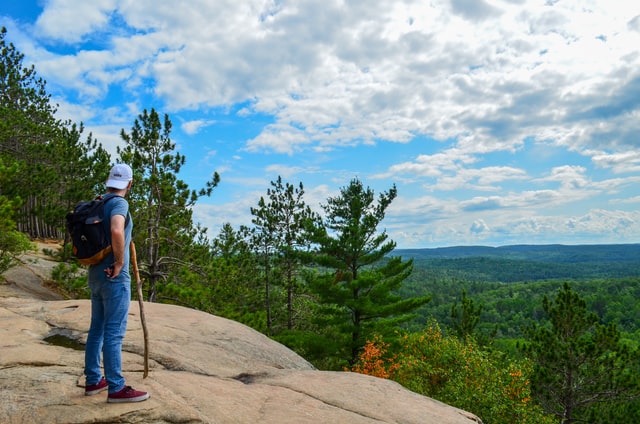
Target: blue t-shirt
117,206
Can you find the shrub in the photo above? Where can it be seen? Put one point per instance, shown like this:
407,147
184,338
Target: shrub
458,373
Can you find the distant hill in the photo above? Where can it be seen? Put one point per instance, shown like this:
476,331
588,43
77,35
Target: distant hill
529,262
558,253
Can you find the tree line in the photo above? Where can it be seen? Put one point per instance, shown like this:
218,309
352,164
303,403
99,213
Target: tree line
325,284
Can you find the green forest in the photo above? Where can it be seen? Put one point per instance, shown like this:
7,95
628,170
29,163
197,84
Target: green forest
511,281
520,334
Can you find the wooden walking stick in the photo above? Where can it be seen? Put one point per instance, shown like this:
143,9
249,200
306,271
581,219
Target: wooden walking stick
134,261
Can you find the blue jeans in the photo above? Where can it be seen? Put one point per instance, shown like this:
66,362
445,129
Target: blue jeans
109,310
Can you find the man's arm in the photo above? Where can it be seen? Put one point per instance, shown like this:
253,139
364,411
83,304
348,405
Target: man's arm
117,245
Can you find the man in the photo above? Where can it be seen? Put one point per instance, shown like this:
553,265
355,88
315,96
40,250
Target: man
110,285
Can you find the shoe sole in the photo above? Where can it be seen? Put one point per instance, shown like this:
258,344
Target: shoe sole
125,400
95,392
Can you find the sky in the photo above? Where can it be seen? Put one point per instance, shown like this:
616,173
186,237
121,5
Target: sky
500,122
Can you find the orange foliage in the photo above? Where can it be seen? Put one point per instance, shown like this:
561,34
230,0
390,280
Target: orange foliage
372,360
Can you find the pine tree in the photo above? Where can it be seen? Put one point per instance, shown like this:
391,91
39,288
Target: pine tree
12,242
239,284
160,202
359,294
222,279
580,364
281,221
26,111
466,318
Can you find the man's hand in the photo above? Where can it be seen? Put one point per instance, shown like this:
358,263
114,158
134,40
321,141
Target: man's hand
113,271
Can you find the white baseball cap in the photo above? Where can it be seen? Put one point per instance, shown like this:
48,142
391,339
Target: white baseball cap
120,176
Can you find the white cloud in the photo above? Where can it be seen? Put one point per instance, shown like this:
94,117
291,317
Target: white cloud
630,200
280,139
479,226
193,127
71,20
285,171
570,177
620,162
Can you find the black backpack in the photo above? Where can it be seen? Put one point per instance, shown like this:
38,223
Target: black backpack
90,241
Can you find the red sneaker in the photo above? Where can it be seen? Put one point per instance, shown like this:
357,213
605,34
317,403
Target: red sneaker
127,394
94,389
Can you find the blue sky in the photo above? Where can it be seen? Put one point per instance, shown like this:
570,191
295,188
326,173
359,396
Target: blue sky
500,121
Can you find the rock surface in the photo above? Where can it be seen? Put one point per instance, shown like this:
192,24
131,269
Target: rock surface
203,369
